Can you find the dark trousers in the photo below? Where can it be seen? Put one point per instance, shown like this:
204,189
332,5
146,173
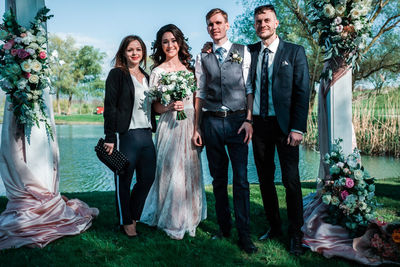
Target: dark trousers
266,136
137,145
218,133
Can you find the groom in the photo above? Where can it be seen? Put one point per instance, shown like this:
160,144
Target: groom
280,78
223,105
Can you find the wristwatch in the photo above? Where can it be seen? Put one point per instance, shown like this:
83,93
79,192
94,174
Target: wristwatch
249,121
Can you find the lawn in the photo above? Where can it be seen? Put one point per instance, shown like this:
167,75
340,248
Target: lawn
102,245
79,119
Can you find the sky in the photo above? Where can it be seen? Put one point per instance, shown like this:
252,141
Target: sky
103,23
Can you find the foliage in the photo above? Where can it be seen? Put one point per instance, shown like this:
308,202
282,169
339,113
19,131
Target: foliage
76,71
343,30
24,73
295,26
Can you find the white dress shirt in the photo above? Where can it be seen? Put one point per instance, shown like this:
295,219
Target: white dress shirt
201,78
141,108
273,47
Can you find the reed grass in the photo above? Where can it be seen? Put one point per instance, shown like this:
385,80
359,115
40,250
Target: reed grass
376,121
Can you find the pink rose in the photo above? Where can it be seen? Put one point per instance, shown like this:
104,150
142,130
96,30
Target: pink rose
42,55
8,45
23,35
14,52
344,194
349,183
22,53
27,75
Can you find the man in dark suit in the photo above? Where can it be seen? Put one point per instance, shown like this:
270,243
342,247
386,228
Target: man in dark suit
280,79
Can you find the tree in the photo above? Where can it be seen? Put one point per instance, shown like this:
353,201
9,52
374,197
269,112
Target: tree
86,70
73,68
62,56
295,26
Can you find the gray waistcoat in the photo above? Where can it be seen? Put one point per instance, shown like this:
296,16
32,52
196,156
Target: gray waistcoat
225,85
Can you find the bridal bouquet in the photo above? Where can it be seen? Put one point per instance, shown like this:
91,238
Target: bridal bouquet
350,192
343,27
24,68
174,86
385,242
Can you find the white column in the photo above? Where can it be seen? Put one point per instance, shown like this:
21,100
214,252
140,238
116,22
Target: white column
38,147
339,102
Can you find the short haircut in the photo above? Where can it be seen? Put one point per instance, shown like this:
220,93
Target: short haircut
262,9
214,11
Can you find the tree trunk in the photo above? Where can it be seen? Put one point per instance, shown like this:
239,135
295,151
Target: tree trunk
69,104
58,101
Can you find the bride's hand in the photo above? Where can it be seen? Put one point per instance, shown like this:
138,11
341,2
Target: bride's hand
178,106
207,48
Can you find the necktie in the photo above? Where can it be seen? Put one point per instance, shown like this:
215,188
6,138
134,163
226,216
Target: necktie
264,85
219,52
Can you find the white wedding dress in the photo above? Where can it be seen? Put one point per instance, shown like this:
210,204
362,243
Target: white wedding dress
176,202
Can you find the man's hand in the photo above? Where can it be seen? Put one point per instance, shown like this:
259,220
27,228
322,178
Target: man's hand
207,48
196,138
294,139
248,128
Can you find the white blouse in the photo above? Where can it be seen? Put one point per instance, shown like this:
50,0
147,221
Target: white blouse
141,112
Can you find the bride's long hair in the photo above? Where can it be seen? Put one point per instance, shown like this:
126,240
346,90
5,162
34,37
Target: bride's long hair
158,55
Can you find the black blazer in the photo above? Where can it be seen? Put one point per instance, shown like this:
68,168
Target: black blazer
290,84
118,104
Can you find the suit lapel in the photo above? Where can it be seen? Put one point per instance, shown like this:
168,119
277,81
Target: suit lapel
254,59
130,84
277,60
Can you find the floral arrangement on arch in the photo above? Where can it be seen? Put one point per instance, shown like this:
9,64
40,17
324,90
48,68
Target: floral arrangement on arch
24,68
343,29
174,86
349,193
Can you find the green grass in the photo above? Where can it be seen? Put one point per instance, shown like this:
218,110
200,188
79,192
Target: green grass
79,119
102,245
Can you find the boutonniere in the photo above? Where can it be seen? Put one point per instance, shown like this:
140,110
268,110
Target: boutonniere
235,57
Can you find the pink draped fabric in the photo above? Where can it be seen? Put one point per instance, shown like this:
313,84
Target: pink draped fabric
36,214
324,238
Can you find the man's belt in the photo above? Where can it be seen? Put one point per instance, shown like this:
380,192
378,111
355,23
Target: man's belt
224,113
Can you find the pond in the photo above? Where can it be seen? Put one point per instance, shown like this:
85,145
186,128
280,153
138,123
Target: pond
81,171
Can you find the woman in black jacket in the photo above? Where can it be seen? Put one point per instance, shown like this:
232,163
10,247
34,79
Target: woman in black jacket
128,124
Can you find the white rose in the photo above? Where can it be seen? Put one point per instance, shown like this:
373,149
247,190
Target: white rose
340,9
34,79
329,11
41,40
167,98
30,51
358,25
36,66
355,13
26,66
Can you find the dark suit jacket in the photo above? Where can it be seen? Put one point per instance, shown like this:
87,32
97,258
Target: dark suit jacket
118,104
290,84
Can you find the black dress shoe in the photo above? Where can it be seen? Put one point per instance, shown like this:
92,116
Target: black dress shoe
271,234
221,235
247,246
296,247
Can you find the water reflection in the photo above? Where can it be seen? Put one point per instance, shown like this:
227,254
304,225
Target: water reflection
80,170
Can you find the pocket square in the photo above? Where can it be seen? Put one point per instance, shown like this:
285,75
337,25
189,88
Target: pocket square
285,63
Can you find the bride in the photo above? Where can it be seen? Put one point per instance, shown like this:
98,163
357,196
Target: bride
176,202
